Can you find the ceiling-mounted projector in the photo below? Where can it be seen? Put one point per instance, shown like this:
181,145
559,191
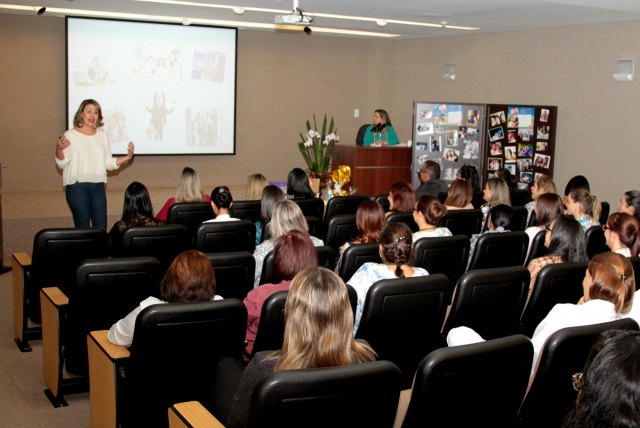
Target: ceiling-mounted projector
294,18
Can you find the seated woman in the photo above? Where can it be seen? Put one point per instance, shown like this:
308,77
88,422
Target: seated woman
287,216
584,207
221,202
459,196
401,198
189,190
293,253
548,207
609,393
565,243
396,251
428,213
255,184
270,195
381,132
622,234
496,192
576,183
298,185
137,211
609,285
499,222
469,173
318,333
190,278
370,220
630,203
543,185
505,174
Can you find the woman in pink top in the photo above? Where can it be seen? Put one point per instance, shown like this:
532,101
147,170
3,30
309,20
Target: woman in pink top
189,190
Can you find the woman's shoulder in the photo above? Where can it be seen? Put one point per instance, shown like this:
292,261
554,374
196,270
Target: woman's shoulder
418,271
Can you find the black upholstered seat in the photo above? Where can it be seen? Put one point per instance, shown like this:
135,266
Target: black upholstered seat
463,222
339,205
537,247
341,228
234,272
406,218
226,236
312,207
163,242
447,255
596,242
519,220
494,250
246,210
357,255
519,198
190,214
384,201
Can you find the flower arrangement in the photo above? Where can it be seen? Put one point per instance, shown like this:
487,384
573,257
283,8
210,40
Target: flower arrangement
317,147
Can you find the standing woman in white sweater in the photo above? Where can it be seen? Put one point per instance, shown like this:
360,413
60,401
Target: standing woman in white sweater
84,155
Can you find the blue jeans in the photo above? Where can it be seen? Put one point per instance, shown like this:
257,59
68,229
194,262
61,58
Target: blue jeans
88,201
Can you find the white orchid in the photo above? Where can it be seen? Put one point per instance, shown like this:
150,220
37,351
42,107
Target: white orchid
317,147
308,143
325,142
312,133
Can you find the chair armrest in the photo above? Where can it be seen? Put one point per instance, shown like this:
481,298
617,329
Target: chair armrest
105,359
53,304
191,414
21,264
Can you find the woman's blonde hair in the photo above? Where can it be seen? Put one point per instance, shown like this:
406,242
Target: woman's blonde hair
319,324
255,184
546,185
589,204
189,187
499,191
613,280
286,216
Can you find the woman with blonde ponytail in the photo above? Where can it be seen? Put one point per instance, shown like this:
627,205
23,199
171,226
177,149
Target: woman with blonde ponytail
396,252
318,333
584,207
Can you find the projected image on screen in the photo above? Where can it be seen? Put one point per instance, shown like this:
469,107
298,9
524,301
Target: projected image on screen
168,88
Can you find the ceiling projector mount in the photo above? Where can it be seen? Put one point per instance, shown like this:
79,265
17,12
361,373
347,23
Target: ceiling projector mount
296,17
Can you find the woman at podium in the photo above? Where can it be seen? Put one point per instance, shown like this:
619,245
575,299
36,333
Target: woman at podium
381,132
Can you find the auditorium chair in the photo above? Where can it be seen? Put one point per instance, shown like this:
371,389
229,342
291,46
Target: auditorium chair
635,261
481,384
406,218
519,198
494,250
538,248
532,219
56,254
490,301
595,241
463,222
402,318
442,196
190,214
384,201
104,291
226,236
359,395
234,272
551,393
326,258
519,220
340,228
173,358
357,255
477,200
246,210
604,213
447,255
312,207
343,205
555,283
163,242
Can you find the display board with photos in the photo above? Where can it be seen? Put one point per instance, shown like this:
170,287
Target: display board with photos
451,134
520,138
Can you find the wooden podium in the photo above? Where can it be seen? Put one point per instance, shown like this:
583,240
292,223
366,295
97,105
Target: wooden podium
374,169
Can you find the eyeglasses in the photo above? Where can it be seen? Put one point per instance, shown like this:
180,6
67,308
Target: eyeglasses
548,229
605,228
578,381
420,172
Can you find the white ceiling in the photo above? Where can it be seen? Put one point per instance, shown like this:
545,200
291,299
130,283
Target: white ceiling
488,15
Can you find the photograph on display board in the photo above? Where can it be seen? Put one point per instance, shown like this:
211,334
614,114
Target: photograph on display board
439,129
451,173
525,150
426,114
471,149
514,122
422,159
542,161
462,132
452,138
496,134
496,148
472,132
451,155
512,135
441,114
425,128
524,165
494,164
526,177
525,134
537,176
497,119
523,116
454,114
522,186
543,132
435,144
421,146
512,168
510,154
544,115
542,146
473,117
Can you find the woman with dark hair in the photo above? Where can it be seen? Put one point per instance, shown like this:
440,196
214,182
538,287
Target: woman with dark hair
459,196
370,220
609,387
622,234
396,251
565,244
84,155
136,211
499,222
190,278
294,252
548,207
318,333
469,173
298,185
381,132
401,198
630,203
189,190
576,183
221,202
270,195
542,185
584,207
427,215
505,174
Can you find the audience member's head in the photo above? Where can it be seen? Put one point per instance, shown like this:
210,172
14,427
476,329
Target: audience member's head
623,231
577,182
500,218
270,195
137,202
294,251
548,208
543,185
610,277
255,184
432,168
429,210
221,200
505,174
190,278
396,246
319,324
630,203
401,197
469,173
580,203
189,187
298,184
565,238
370,220
286,216
496,191
460,194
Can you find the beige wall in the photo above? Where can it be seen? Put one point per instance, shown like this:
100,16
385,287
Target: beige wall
283,79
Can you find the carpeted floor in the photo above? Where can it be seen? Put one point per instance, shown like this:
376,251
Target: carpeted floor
22,399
